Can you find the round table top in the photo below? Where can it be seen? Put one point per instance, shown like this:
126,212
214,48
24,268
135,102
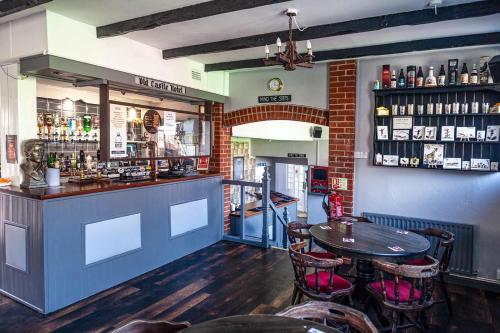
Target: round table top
258,323
368,240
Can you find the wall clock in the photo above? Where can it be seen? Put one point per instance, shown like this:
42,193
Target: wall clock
275,84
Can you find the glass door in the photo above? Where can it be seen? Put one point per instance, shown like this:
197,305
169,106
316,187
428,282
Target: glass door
297,186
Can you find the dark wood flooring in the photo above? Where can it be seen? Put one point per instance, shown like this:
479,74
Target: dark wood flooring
221,280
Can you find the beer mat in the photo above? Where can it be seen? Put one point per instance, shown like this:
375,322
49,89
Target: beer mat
348,240
346,222
396,248
314,330
402,232
326,227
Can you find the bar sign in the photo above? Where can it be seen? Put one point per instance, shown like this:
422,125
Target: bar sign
275,99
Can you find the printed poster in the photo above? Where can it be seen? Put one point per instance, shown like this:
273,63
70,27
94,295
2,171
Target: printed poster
118,131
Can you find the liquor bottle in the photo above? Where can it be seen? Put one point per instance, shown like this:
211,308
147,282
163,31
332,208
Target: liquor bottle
474,75
420,77
442,77
81,159
393,79
401,79
452,72
464,76
410,76
73,161
430,80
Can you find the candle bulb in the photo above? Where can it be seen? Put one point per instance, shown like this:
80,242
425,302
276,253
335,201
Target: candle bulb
309,47
278,44
267,52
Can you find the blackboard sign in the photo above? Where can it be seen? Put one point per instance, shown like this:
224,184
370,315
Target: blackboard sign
151,121
275,99
296,155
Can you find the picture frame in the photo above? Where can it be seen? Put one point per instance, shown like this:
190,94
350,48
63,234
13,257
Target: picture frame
418,133
493,133
378,159
493,166
402,122
390,160
404,161
447,133
465,165
430,133
481,136
466,133
433,155
382,132
452,163
401,135
238,168
480,164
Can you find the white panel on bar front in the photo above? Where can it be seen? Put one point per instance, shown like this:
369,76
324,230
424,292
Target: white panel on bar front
106,239
188,216
15,247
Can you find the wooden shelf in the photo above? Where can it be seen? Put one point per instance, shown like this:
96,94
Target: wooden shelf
445,115
439,168
438,90
438,141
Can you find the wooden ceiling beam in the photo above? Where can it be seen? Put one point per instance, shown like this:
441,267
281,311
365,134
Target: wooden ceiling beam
200,10
8,7
417,17
375,50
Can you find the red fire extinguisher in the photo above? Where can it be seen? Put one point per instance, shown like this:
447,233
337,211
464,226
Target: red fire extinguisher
332,204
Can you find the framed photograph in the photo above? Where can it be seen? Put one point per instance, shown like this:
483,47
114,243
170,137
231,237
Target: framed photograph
454,163
418,133
494,166
480,135
433,154
465,165
239,168
447,133
401,135
402,122
382,132
404,161
480,164
390,160
430,133
493,133
378,159
466,133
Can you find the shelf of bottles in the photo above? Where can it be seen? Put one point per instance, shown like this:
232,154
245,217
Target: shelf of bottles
438,126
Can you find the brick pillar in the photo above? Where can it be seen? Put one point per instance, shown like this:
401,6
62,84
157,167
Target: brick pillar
341,122
221,155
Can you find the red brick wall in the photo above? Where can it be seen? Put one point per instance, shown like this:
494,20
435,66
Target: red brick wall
221,160
341,123
276,112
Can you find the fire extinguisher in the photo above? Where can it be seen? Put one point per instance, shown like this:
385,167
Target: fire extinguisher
332,204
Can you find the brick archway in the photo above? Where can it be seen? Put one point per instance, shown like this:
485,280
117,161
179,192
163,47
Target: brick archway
276,112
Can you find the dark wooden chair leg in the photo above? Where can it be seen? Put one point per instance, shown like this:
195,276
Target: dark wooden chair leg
446,295
294,295
395,320
299,297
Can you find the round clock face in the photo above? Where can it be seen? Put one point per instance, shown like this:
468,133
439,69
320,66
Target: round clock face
275,84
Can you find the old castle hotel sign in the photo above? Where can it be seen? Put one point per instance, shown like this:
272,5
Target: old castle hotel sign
160,85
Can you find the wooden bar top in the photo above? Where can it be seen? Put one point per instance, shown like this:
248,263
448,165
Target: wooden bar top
73,189
249,207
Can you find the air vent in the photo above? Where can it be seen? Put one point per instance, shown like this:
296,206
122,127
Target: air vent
195,75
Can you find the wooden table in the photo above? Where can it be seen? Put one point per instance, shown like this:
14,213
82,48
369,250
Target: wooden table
257,323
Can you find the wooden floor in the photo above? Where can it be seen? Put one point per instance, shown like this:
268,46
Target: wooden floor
221,280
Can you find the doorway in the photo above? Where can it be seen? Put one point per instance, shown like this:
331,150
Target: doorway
297,186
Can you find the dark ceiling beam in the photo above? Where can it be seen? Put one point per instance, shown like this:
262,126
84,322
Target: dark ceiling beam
8,7
187,13
375,50
417,17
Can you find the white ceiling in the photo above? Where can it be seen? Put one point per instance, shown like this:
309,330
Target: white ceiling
267,19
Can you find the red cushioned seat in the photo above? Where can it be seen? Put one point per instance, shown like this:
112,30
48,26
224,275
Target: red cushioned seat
404,290
323,282
322,255
419,262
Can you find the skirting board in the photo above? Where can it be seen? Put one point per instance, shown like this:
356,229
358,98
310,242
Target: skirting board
474,282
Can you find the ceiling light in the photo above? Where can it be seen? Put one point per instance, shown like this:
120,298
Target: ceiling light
68,104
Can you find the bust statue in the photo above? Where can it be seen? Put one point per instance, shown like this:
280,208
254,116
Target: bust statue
32,167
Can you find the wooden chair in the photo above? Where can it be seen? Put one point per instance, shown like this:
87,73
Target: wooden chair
444,242
146,326
316,278
331,314
405,289
299,232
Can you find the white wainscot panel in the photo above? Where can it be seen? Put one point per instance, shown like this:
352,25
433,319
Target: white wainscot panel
15,246
106,239
188,216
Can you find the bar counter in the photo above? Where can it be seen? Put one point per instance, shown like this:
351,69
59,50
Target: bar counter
59,246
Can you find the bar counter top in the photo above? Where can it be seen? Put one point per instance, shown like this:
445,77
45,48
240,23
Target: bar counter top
73,189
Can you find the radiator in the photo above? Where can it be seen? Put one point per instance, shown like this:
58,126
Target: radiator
462,258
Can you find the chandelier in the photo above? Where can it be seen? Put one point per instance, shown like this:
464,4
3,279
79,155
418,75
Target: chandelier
290,58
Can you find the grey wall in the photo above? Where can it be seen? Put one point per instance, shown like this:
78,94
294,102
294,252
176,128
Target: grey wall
461,197
278,148
307,86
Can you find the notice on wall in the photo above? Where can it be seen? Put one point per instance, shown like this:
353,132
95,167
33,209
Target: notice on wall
11,148
118,131
169,127
402,122
340,182
275,99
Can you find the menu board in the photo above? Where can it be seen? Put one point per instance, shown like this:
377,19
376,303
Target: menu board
118,131
151,121
169,124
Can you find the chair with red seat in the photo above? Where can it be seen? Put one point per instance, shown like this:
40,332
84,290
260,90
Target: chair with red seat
298,232
444,242
405,289
316,278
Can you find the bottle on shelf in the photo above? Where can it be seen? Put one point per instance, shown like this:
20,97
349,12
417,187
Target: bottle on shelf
410,76
441,77
420,78
464,76
430,80
474,77
401,79
394,81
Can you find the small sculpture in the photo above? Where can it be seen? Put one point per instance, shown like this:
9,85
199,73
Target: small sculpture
33,167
